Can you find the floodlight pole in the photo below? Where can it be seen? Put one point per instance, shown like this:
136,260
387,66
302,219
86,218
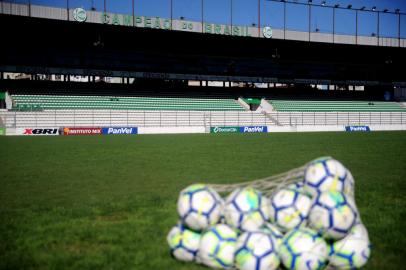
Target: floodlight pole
133,13
310,18
105,10
356,27
259,18
231,17
29,8
284,20
377,35
67,8
334,21
202,15
399,29
171,13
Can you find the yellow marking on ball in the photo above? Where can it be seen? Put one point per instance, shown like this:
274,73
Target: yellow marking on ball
294,215
205,200
335,180
334,184
177,238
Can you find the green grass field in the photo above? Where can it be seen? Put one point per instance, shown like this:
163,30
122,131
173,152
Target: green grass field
108,202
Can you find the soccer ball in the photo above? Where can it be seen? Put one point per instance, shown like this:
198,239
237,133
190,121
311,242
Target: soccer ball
184,243
217,246
352,251
271,229
298,186
303,249
256,251
333,214
289,209
349,185
199,207
325,174
246,209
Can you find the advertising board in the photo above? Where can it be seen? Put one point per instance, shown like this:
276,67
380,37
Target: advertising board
49,131
224,129
82,131
357,128
244,129
2,131
119,130
254,129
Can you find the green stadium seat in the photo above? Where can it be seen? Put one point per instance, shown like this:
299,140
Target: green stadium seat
55,102
335,106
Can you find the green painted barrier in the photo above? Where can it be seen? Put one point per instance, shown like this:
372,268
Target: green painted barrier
2,95
2,131
255,101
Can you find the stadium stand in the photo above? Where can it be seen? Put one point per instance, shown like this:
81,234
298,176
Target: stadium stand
52,102
335,106
159,118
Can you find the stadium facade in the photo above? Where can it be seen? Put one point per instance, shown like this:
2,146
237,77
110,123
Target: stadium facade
157,59
79,14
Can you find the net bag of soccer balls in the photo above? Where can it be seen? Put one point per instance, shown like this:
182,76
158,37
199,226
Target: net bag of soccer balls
312,224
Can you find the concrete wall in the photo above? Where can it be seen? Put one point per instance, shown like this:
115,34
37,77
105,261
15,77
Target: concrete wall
297,35
48,12
321,37
243,104
13,9
265,106
9,101
362,40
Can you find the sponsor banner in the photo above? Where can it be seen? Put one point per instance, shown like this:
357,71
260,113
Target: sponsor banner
357,128
119,130
224,129
82,131
172,130
2,131
37,131
254,129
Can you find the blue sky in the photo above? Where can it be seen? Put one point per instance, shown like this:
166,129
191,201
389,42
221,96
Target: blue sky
245,12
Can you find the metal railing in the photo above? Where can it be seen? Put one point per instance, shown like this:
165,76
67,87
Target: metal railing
102,118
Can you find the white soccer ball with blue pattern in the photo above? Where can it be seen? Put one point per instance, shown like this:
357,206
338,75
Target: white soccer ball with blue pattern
333,214
289,209
303,249
349,185
299,186
199,207
351,252
326,174
256,251
217,246
246,209
271,229
184,243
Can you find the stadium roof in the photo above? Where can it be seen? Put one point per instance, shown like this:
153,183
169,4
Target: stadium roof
108,50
